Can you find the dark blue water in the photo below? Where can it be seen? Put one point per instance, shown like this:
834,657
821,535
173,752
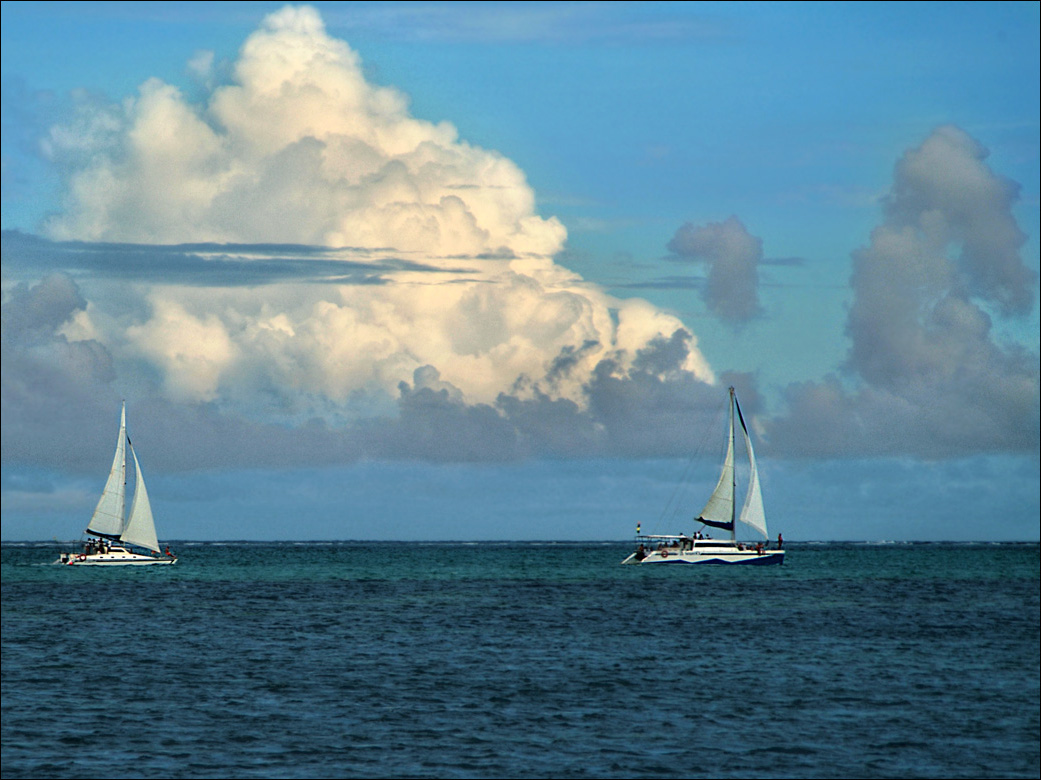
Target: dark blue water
527,660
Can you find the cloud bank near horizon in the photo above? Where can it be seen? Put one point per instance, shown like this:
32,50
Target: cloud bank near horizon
295,270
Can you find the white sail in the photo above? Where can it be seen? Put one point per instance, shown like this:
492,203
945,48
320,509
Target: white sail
720,506
140,528
107,519
753,513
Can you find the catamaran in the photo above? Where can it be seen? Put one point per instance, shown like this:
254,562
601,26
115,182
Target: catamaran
719,512
112,533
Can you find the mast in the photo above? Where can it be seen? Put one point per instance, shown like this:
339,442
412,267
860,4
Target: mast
733,474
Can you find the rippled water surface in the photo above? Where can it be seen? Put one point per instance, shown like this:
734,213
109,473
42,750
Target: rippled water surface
526,660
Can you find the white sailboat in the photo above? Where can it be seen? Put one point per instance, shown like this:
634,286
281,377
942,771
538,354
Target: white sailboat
719,512
112,533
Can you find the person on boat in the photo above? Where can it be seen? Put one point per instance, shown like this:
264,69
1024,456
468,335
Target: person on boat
780,542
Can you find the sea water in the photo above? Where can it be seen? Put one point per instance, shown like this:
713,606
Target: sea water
291,660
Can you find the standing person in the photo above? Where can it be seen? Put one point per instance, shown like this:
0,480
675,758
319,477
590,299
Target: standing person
780,542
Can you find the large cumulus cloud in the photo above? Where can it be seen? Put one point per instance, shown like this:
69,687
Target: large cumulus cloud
299,148
926,374
194,235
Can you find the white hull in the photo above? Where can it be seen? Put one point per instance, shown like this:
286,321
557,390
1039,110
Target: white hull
114,558
723,555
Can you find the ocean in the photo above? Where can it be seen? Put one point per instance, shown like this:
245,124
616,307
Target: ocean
495,660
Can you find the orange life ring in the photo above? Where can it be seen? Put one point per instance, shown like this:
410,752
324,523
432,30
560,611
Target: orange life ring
664,553
82,557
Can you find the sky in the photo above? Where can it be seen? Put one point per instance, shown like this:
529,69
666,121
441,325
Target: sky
469,271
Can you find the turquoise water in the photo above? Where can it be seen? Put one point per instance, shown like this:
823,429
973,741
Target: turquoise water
523,660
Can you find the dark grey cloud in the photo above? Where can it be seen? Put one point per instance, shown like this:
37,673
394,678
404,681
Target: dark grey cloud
643,415
673,282
653,408
435,424
733,256
53,393
700,281
568,359
207,265
34,313
784,262
60,405
828,419
925,374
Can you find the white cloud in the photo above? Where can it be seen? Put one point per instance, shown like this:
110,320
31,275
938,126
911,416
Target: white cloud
191,350
300,148
201,67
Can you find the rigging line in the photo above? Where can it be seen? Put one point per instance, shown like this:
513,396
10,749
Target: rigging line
674,506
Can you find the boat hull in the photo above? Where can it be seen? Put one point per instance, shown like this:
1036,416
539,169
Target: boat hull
704,558
113,559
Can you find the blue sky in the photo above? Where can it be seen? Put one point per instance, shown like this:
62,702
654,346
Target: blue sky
492,280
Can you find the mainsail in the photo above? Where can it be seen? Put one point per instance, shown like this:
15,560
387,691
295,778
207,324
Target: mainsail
720,512
107,519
